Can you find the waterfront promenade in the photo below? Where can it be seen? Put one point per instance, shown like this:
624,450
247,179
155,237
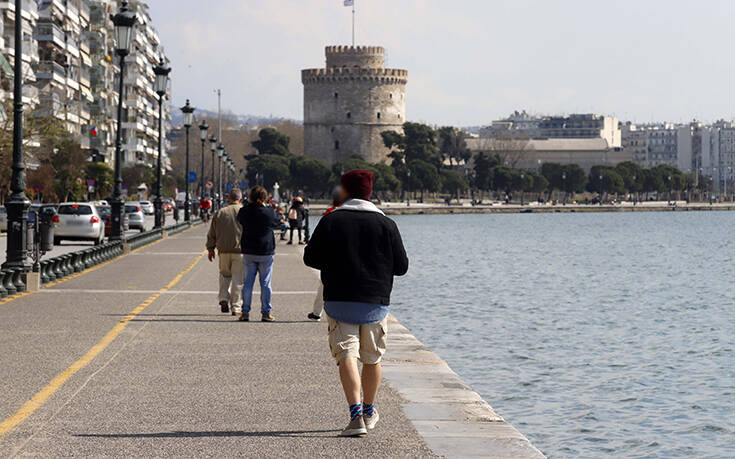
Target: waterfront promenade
132,358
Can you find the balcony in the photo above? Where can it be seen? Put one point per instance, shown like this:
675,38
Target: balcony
51,70
50,32
84,12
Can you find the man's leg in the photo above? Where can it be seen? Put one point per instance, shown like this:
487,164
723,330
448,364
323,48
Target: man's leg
265,272
319,301
225,276
372,349
371,375
251,269
349,376
237,269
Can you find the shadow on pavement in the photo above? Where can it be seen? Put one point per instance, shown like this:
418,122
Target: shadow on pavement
214,433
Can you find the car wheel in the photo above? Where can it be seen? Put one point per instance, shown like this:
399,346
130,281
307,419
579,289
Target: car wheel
141,229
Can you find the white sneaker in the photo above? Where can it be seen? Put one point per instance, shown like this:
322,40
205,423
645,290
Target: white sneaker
370,421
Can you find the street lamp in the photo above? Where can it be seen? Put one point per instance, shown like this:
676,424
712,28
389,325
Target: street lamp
220,158
160,86
408,194
18,203
124,21
564,186
600,188
213,149
523,186
188,112
203,128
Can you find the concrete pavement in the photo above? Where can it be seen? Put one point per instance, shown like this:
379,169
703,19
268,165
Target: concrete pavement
134,359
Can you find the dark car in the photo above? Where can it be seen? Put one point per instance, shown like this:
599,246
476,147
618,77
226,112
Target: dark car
106,215
46,212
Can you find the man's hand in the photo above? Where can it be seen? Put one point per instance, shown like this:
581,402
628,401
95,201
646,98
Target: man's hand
210,254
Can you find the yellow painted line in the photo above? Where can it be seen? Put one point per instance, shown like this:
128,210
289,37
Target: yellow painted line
88,270
52,387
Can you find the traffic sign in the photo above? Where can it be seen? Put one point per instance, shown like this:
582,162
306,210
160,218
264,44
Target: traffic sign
90,182
209,185
243,185
192,177
38,187
79,181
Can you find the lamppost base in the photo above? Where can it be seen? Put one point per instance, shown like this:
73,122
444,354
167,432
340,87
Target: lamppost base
17,207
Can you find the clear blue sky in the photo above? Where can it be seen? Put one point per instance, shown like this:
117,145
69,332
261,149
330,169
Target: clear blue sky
469,61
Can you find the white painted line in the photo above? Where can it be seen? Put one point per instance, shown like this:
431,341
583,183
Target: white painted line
166,253
167,292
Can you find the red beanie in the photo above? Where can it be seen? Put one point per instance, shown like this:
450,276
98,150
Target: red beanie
358,184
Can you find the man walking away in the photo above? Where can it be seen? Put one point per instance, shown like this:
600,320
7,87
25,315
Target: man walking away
358,251
258,247
224,234
316,314
296,218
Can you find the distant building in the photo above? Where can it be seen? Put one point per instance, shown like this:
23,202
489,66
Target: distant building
350,102
7,52
575,126
655,144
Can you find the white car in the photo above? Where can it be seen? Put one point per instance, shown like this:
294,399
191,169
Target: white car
147,207
79,221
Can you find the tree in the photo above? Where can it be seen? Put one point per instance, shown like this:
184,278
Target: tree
272,142
134,176
69,176
632,175
418,142
309,174
511,148
540,184
452,182
385,176
452,145
484,165
603,179
503,178
266,170
103,178
426,176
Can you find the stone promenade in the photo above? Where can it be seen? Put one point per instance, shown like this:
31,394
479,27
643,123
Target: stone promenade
135,359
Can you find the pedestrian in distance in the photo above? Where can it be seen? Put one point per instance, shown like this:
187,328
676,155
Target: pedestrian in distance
205,205
283,225
358,251
258,246
225,234
316,313
296,218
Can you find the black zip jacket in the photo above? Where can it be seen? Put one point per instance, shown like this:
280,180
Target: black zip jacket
257,229
358,253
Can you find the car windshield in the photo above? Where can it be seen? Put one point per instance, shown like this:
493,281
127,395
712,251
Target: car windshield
131,209
75,209
104,211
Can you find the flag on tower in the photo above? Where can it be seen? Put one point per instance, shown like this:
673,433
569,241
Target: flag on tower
349,2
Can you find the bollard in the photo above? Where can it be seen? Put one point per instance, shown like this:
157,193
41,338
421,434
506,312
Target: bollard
57,268
44,272
87,258
66,265
3,291
8,282
78,265
20,286
47,265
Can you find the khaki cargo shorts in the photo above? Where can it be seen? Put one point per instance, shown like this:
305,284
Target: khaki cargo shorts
363,342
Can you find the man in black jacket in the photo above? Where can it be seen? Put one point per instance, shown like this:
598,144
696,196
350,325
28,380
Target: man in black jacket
358,251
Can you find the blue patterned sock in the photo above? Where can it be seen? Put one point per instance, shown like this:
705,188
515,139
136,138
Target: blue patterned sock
355,411
368,410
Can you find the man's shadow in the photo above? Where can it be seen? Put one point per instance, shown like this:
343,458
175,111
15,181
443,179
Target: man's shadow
216,433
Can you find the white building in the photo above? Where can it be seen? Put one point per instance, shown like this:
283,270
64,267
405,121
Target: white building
7,52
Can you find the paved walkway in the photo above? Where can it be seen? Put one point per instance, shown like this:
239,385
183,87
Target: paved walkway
134,359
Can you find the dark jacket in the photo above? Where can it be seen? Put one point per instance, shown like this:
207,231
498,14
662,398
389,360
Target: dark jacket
358,253
257,229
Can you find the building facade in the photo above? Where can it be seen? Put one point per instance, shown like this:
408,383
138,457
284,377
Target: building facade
350,102
7,52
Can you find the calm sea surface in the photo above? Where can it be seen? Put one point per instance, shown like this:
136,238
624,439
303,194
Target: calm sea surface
596,335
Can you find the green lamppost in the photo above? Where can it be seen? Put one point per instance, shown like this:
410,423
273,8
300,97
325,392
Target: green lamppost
188,112
160,86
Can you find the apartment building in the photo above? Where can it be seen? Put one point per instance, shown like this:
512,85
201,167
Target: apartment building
29,46
140,115
574,126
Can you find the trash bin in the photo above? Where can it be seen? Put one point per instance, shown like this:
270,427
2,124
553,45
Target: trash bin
46,236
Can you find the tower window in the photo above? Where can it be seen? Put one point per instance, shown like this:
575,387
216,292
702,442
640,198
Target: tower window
378,115
349,115
391,95
336,95
336,144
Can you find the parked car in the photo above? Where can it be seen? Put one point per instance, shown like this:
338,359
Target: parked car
3,218
79,221
136,219
106,214
147,207
47,212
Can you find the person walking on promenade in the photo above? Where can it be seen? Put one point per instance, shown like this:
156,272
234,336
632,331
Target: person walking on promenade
358,251
296,218
258,246
224,235
316,313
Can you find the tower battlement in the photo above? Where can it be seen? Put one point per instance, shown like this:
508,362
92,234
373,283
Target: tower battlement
350,102
355,56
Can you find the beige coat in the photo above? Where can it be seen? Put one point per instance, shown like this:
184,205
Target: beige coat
225,231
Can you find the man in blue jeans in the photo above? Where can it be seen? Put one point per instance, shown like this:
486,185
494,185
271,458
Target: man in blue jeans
258,246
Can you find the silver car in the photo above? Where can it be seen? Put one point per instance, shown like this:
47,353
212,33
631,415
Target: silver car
135,214
79,221
147,207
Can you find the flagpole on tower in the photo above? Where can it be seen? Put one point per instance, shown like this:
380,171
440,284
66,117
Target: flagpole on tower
353,23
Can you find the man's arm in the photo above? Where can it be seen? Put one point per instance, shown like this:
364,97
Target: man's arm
314,253
212,239
400,259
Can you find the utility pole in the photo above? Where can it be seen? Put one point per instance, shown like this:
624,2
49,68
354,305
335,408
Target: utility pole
219,114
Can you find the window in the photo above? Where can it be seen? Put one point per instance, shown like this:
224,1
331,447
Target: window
349,115
75,209
378,115
391,95
336,95
336,144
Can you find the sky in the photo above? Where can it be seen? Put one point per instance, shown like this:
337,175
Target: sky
469,61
